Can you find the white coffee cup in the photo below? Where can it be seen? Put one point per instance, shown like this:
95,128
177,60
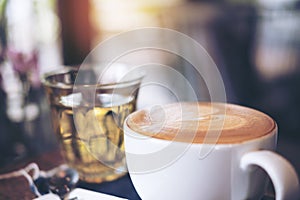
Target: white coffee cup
169,169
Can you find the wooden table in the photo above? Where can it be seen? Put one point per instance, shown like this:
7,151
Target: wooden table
17,188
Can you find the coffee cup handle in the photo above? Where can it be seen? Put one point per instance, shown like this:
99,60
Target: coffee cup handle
281,172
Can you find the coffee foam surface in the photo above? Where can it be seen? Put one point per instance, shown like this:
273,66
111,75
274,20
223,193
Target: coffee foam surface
201,122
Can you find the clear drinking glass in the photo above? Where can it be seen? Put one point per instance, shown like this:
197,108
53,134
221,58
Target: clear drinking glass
88,119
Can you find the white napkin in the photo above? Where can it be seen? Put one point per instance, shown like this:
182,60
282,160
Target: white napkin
82,194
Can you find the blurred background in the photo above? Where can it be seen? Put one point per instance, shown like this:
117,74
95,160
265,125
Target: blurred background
255,44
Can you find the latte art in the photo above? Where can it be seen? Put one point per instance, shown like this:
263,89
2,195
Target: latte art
193,122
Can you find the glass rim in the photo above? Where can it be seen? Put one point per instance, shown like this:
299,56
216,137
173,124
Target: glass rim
67,69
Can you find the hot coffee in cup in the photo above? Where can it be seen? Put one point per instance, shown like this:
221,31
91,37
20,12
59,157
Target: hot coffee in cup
181,122
205,151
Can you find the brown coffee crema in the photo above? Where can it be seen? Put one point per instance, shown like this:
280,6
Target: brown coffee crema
202,122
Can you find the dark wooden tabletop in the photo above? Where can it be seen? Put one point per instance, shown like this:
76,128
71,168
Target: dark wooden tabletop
18,188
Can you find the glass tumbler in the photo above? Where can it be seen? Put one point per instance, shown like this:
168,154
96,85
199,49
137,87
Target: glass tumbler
88,117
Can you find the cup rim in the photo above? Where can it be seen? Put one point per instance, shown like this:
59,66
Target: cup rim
271,133
67,69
